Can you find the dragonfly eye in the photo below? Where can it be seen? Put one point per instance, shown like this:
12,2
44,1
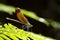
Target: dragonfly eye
29,25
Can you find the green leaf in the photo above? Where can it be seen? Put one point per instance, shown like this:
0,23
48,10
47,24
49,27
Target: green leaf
11,32
30,14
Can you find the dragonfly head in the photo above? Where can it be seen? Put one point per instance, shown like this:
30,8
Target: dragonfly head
29,25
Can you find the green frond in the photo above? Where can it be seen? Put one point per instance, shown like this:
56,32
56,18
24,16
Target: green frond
11,32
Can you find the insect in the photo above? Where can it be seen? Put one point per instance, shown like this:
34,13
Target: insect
22,18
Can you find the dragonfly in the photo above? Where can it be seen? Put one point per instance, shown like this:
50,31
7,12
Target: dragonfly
22,18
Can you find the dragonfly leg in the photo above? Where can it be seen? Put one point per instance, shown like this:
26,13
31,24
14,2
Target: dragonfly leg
23,27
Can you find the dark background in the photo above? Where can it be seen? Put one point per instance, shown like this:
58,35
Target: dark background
49,9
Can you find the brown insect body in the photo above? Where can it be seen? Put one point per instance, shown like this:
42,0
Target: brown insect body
22,18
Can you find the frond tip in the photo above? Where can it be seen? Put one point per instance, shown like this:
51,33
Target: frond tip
10,32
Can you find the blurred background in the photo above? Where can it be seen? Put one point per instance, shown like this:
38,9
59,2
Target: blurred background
48,9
